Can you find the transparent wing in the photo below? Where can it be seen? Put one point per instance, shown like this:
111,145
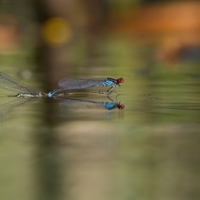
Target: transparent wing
9,83
72,83
81,104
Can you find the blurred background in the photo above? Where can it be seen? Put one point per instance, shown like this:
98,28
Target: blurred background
149,150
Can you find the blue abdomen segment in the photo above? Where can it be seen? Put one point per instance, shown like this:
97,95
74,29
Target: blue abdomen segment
106,83
109,106
49,94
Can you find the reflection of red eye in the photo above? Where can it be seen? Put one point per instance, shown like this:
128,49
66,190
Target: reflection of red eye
120,80
121,106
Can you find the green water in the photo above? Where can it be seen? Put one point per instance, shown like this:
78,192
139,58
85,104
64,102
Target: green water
148,150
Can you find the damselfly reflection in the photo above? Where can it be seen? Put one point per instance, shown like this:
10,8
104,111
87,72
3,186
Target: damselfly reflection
8,83
70,103
7,108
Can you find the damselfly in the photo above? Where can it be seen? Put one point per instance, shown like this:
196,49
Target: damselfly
8,83
74,84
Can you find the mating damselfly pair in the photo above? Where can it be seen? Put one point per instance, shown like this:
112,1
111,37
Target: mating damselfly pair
65,84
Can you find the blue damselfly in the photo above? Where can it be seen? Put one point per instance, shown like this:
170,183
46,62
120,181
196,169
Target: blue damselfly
79,83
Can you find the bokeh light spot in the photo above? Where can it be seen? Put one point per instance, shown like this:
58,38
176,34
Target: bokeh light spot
56,31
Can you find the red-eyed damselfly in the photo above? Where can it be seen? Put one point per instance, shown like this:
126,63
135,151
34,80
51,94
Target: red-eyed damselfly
79,83
8,83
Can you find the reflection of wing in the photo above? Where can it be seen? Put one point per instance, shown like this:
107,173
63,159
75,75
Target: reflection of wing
84,104
7,108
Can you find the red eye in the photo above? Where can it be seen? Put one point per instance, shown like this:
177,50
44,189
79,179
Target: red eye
121,106
120,80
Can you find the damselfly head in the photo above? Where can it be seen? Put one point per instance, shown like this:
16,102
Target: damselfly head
120,80
121,106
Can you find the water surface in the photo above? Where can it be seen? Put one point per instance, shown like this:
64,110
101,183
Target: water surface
50,149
